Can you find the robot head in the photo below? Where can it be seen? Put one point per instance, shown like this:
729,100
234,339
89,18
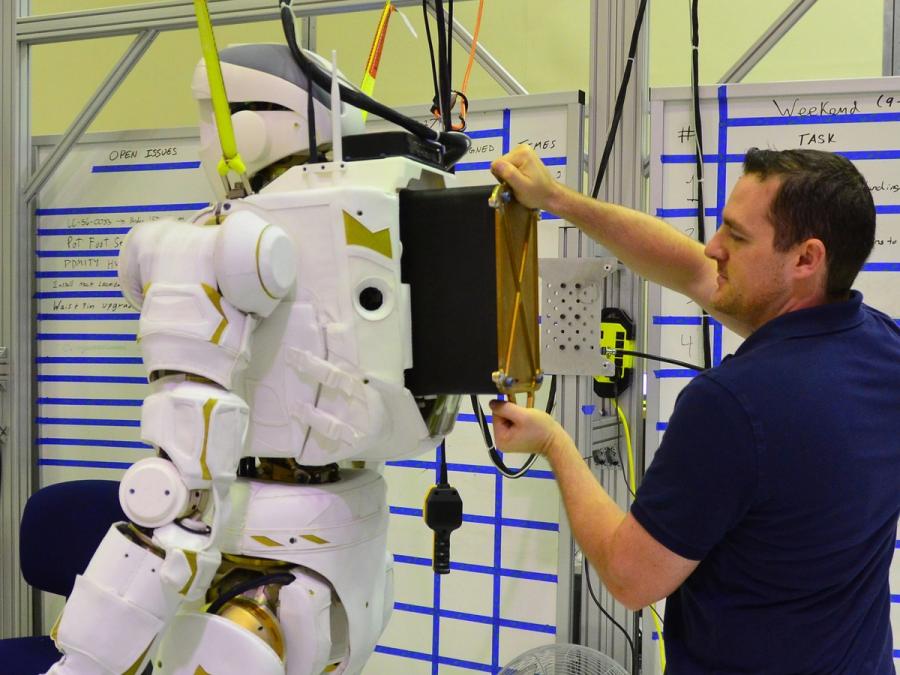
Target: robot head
268,96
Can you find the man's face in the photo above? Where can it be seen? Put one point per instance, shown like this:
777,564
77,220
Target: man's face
753,283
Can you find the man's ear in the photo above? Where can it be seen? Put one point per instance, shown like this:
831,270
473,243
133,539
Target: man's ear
811,259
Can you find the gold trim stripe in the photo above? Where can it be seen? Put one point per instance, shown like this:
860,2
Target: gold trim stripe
216,299
192,563
135,667
258,273
205,473
313,538
265,541
359,235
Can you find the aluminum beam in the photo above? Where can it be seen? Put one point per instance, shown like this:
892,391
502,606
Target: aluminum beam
484,58
891,52
95,104
17,453
767,40
612,22
174,15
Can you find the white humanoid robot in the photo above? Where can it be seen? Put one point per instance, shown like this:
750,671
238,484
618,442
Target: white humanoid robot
276,328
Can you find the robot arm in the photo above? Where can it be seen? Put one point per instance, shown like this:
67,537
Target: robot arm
199,289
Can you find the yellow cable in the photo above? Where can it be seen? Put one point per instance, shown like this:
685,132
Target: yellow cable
631,479
631,483
231,158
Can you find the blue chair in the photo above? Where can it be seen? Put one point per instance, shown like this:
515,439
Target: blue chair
62,525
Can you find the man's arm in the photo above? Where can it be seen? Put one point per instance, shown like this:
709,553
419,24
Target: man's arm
634,567
648,246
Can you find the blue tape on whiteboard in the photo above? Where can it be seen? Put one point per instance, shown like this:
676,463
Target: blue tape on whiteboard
48,295
69,232
87,422
159,166
881,267
70,275
443,660
127,208
107,379
84,463
115,337
123,402
109,316
94,443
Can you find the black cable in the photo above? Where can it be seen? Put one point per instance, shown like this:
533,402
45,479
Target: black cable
661,359
493,453
551,396
311,122
442,478
434,78
620,99
698,161
454,145
449,55
283,578
587,575
443,68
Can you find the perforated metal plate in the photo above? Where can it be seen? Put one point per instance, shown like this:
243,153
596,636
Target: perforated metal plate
571,301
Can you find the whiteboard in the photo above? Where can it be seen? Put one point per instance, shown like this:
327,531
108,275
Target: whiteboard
501,597
859,119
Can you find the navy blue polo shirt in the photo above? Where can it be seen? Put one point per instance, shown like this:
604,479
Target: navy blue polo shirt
780,471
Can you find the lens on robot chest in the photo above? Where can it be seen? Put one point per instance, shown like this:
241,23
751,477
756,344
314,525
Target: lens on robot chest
370,298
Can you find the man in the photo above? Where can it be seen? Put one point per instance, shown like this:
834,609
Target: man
768,515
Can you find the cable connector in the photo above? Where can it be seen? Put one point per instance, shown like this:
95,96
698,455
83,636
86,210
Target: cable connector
617,335
443,514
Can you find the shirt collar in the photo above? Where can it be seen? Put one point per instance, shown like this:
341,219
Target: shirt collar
818,320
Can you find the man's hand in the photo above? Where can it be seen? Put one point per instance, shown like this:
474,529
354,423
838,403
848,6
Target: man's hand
524,429
529,179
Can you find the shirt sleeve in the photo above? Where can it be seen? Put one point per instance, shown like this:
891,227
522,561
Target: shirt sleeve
704,476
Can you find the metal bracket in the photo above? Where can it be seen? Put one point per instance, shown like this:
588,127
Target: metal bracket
572,299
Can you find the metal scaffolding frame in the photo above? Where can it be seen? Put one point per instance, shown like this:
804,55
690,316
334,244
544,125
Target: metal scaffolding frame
770,37
612,22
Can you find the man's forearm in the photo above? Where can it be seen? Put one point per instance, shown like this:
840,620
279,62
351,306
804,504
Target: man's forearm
593,515
648,246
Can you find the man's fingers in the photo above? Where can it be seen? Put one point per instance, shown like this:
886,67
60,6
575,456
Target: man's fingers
506,411
502,169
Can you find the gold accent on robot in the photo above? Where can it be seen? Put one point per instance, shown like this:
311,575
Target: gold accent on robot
265,541
191,557
257,619
216,299
314,539
258,273
359,235
134,669
207,414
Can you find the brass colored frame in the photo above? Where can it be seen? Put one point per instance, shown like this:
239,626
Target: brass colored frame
518,338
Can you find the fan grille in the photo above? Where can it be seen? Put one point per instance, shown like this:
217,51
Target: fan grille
563,659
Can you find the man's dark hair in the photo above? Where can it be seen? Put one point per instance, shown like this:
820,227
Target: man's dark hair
822,196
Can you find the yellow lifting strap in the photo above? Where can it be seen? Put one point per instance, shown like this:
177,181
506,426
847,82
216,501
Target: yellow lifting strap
368,83
231,158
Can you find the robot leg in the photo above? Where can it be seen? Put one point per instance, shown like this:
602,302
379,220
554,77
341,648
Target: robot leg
135,584
122,593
